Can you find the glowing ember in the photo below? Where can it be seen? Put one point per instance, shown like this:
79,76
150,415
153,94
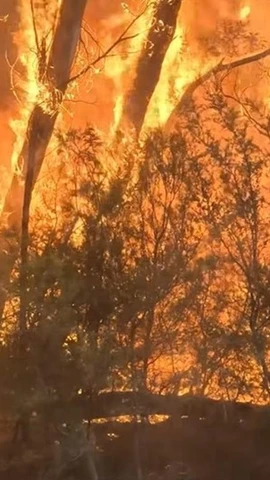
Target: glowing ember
245,12
4,19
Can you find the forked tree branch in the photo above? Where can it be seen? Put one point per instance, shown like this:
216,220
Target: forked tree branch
124,37
220,67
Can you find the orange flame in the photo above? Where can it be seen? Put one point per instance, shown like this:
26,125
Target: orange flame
121,67
36,30
245,12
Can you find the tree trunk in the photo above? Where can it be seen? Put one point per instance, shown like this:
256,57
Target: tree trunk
40,128
150,62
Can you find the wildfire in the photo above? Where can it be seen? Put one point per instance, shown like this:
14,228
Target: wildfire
182,65
180,68
171,82
121,67
118,108
30,86
27,85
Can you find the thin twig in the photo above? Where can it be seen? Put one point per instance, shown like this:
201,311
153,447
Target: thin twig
122,38
34,25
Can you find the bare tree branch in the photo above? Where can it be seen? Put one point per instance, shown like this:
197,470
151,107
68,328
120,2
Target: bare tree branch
122,38
220,67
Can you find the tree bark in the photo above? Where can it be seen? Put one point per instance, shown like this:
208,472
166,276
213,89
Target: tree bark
40,128
150,63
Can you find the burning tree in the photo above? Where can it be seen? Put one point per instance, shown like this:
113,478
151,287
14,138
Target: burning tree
151,279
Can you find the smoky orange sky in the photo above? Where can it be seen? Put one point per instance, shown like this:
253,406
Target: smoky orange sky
96,96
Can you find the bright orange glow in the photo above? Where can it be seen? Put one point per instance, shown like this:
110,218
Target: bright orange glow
98,97
120,68
245,12
32,42
174,77
28,86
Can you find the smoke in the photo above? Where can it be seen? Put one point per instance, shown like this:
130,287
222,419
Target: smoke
216,30
204,23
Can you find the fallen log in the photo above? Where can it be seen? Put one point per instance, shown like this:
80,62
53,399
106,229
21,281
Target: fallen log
115,404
